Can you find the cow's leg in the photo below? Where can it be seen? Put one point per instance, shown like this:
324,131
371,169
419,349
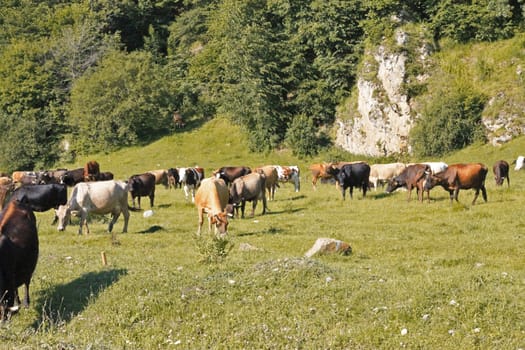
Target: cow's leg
254,205
151,199
201,221
133,201
456,194
265,205
83,222
351,192
365,188
186,192
193,194
343,192
138,201
26,296
476,194
114,218
484,192
243,206
409,188
125,213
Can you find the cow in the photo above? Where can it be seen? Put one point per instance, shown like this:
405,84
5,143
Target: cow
18,254
270,173
142,185
5,181
173,178
178,120
520,161
212,198
161,177
352,175
501,172
381,173
319,171
73,177
101,197
412,177
22,178
50,176
41,197
249,187
105,176
460,176
289,173
91,170
190,179
5,193
230,173
436,167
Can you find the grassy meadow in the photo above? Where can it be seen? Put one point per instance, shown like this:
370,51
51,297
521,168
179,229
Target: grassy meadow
422,275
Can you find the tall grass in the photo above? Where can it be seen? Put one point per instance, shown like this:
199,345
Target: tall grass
422,275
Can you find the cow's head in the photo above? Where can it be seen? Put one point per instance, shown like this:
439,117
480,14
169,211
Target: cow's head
63,216
394,184
220,221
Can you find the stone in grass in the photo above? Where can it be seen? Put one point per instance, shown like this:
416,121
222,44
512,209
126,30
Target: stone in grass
329,246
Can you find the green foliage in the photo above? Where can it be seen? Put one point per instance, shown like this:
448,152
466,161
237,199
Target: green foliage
449,122
124,102
212,248
303,137
485,20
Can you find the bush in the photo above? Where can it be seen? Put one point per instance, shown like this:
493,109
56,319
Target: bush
451,121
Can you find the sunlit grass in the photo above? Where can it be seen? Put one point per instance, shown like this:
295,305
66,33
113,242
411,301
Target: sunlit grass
450,275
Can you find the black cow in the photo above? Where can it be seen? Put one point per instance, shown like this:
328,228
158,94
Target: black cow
42,197
105,176
351,175
50,176
72,177
412,177
230,173
18,254
140,186
501,172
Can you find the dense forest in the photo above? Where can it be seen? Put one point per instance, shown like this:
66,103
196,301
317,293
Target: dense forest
95,75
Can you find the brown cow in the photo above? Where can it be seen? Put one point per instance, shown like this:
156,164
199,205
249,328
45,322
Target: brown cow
5,192
501,172
18,254
212,198
91,171
270,172
319,171
178,120
230,173
161,177
5,181
460,176
412,177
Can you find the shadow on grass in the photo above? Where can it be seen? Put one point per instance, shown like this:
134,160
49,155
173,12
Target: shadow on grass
61,303
152,229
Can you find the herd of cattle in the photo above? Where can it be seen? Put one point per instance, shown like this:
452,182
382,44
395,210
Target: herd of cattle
218,197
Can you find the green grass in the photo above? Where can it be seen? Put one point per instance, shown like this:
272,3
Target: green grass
450,274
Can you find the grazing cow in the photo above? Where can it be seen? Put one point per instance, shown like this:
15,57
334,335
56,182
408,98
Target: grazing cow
173,178
352,175
18,254
140,186
91,171
412,177
501,172
212,198
436,167
190,179
41,197
319,171
73,177
460,176
520,161
51,176
101,197
289,173
161,177
105,176
270,173
382,173
249,187
230,173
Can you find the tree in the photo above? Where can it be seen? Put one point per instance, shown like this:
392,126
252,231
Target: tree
125,101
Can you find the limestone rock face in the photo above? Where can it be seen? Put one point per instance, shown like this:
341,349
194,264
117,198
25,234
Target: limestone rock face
384,117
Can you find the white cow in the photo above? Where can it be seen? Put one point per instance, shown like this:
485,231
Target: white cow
380,173
100,197
212,198
519,163
289,173
437,167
